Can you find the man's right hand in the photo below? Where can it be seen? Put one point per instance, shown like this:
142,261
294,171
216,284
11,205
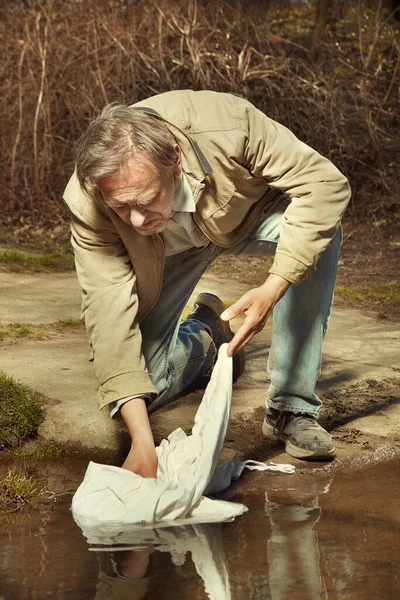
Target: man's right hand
142,457
142,460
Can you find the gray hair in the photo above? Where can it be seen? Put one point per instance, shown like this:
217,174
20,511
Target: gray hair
117,134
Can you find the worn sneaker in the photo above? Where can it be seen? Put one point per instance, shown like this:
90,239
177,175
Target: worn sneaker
303,436
207,310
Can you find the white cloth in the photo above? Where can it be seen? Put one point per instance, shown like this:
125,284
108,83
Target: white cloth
186,464
232,469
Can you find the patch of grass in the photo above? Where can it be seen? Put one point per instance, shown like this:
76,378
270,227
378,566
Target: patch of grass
21,330
38,332
21,412
21,261
377,293
18,490
15,330
69,323
46,451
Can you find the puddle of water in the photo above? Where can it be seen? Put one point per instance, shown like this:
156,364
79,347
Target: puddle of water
305,537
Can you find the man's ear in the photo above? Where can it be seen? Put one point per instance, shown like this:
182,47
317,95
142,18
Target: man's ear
178,166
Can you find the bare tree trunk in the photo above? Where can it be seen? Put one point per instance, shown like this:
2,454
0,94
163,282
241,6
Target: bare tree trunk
318,32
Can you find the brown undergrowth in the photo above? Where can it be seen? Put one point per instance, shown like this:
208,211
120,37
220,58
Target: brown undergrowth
64,60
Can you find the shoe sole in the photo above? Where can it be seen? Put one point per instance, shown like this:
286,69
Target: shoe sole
296,451
218,306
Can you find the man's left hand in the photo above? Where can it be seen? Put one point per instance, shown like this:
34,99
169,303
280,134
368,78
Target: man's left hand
256,304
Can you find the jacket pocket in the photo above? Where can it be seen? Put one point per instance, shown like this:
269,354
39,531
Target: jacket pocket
215,197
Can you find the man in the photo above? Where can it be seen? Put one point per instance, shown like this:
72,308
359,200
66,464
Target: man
160,190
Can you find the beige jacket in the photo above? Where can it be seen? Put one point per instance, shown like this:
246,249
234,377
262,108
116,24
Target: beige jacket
236,160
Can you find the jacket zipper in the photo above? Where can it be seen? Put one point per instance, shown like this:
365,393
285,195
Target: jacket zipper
158,291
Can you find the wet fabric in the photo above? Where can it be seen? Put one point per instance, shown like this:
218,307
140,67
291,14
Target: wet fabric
187,467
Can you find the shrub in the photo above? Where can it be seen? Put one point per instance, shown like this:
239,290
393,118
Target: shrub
21,412
64,60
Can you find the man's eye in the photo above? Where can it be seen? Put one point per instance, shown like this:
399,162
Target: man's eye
145,203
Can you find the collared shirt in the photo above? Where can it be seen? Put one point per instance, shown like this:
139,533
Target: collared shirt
182,233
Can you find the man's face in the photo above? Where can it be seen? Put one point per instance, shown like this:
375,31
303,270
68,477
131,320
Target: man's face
141,195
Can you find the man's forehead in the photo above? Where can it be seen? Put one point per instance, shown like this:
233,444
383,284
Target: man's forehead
135,175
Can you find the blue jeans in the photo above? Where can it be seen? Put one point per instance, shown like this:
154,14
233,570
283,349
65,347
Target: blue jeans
177,353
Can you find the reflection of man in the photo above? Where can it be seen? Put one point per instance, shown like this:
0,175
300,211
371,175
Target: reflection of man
123,574
158,194
293,543
133,573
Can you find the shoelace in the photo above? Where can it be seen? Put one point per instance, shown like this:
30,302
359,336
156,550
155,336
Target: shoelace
280,422
284,416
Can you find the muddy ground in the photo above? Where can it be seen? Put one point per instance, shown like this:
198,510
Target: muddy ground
359,385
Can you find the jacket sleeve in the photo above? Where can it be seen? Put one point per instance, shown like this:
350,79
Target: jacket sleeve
109,309
319,192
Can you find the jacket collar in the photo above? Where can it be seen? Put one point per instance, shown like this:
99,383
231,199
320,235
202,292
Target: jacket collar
194,161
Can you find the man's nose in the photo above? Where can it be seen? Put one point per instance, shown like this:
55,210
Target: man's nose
137,216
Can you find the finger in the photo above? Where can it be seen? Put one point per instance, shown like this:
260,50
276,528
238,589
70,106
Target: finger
240,339
235,310
244,343
244,334
239,344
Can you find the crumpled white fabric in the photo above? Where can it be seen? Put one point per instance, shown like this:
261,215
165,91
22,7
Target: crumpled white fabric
186,470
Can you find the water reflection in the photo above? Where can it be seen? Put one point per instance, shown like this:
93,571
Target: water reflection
123,576
127,557
282,548
293,542
125,570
